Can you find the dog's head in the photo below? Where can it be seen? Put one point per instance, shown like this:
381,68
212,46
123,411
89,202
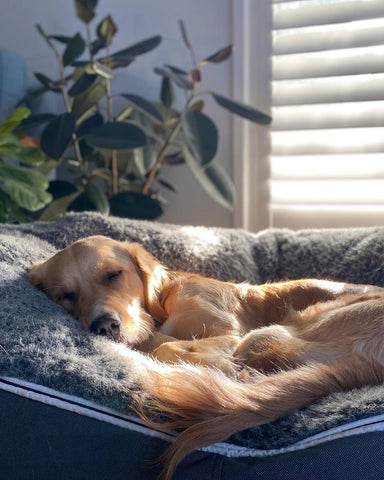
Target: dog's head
110,287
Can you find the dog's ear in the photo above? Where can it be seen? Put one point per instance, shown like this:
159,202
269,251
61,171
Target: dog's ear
35,276
153,275
145,261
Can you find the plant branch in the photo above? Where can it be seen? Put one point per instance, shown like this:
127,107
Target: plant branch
160,157
115,172
89,42
63,87
67,104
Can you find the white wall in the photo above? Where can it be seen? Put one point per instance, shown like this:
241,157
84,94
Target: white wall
209,25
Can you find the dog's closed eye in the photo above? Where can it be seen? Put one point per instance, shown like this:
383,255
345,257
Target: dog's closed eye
67,297
111,276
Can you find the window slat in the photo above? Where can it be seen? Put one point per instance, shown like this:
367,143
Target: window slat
353,140
311,39
329,63
328,90
304,13
327,134
327,192
304,117
344,166
326,216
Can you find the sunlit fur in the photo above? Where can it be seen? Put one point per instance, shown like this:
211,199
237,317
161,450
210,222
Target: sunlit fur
227,356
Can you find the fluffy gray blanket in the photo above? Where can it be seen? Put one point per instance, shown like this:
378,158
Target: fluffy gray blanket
41,343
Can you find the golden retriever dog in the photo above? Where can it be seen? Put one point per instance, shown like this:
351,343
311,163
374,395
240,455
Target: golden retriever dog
228,356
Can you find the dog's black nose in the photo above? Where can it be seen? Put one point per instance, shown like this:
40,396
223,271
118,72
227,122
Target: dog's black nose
107,325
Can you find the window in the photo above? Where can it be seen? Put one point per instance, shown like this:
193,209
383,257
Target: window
326,162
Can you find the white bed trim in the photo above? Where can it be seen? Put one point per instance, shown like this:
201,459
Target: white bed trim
89,409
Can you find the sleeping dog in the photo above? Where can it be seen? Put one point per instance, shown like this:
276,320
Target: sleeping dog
229,356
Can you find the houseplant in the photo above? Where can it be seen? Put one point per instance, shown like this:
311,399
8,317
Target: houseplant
118,158
23,186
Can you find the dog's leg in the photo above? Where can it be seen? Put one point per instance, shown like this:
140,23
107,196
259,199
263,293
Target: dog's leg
271,349
322,332
276,300
154,341
214,352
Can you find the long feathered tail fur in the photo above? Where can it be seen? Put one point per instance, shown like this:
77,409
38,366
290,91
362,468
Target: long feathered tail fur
209,406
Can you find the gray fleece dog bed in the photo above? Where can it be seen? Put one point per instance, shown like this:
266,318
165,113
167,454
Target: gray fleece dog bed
41,344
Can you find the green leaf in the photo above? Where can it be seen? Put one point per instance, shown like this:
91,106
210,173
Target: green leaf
30,156
97,197
116,136
61,188
48,83
124,114
74,49
168,185
19,215
61,38
139,48
86,101
135,205
14,120
176,70
102,173
219,56
174,159
24,174
34,94
82,204
144,106
197,106
125,57
200,135
57,135
184,34
180,80
107,29
26,187
82,84
5,206
145,158
35,120
120,61
97,45
167,94
214,180
89,124
45,36
47,166
85,9
103,70
243,110
27,155
58,207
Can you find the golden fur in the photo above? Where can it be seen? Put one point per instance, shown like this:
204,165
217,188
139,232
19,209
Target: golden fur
271,348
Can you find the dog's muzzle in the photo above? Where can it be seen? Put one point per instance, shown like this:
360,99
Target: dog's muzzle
107,325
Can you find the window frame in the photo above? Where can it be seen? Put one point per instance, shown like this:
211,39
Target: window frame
251,83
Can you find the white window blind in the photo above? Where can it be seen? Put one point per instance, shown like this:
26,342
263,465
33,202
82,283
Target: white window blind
327,138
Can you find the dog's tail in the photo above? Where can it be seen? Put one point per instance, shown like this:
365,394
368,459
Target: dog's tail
210,407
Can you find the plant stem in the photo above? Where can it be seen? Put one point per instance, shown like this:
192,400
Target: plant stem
89,42
67,104
115,172
109,99
63,89
169,140
160,157
78,152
